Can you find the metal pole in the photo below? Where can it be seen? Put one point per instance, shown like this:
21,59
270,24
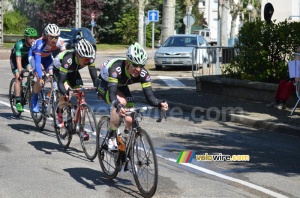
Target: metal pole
152,39
218,42
1,24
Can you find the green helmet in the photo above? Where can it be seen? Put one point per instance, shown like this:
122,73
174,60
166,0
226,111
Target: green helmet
136,54
30,32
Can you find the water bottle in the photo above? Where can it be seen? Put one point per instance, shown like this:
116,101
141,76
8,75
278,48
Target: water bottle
48,98
74,109
125,135
54,85
48,106
121,143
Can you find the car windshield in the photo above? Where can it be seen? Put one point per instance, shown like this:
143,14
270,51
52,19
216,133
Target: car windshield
66,34
181,42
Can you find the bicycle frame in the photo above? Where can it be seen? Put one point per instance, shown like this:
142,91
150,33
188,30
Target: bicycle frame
26,91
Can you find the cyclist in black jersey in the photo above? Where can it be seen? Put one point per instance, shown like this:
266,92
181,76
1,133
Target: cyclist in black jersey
66,72
19,61
112,86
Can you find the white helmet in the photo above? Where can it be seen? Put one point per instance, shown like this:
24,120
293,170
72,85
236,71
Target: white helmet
136,54
85,49
52,30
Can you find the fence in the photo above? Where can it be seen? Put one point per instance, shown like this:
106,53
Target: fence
211,60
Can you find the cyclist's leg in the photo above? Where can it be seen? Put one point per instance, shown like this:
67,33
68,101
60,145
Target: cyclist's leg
17,86
36,88
103,93
129,103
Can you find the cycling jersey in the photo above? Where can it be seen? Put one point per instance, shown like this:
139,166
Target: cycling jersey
40,53
21,50
114,76
66,66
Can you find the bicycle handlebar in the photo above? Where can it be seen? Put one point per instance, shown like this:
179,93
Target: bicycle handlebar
83,88
131,110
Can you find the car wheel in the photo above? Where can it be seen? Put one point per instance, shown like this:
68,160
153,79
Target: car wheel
158,67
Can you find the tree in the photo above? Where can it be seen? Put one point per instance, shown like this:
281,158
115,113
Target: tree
14,22
168,20
62,12
224,20
141,12
126,27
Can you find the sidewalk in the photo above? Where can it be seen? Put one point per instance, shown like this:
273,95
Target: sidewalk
248,113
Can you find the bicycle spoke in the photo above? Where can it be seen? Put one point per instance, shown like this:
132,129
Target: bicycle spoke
89,126
144,162
63,135
12,98
106,159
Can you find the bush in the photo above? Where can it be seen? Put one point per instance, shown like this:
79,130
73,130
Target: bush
263,51
14,22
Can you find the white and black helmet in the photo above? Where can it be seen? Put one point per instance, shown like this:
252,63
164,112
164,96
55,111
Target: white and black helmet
85,49
52,30
136,54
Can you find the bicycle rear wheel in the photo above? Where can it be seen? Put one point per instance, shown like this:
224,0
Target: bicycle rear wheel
144,164
106,158
40,117
12,98
63,134
88,125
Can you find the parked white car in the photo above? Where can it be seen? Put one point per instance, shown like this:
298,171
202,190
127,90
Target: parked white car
177,50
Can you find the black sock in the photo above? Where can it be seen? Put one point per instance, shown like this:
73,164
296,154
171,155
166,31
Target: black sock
18,99
112,133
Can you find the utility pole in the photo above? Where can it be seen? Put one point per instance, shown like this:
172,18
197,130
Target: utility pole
78,14
168,20
1,23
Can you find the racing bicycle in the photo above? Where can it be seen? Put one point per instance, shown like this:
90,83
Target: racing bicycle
26,90
135,153
45,112
77,119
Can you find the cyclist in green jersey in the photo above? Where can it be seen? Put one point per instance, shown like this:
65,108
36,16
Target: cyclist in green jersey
19,61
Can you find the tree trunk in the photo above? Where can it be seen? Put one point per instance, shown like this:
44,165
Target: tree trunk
168,19
224,24
141,8
188,11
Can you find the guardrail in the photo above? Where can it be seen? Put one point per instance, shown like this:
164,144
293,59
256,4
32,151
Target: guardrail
211,60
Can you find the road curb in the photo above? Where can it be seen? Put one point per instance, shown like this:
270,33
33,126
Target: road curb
240,118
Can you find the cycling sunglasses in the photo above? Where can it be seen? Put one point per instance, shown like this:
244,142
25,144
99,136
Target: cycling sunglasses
54,37
86,60
136,65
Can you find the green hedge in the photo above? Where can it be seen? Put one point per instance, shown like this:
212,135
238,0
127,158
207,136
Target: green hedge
263,51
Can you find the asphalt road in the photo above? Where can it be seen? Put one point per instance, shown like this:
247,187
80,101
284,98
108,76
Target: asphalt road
32,164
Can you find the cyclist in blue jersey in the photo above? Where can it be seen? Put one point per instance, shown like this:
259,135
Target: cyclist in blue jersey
19,61
112,87
40,58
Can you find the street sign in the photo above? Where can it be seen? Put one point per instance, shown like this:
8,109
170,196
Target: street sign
189,20
153,15
93,23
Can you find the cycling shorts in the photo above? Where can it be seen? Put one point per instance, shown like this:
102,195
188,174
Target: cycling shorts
73,79
45,61
103,92
14,68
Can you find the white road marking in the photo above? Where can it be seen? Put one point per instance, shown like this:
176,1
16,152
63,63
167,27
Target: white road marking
210,172
171,81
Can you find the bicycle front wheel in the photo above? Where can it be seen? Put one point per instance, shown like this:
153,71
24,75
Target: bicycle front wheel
63,134
88,125
106,158
12,98
40,117
144,164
